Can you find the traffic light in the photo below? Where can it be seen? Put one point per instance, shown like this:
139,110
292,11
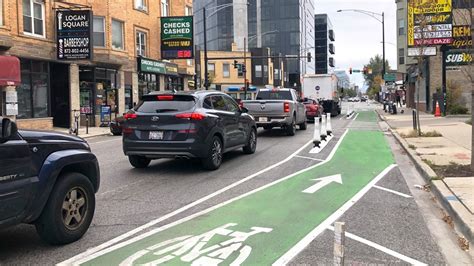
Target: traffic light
350,70
309,57
235,64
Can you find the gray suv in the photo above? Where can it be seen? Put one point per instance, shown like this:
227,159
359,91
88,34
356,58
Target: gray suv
198,124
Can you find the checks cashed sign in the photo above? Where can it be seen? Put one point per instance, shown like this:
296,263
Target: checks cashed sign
430,22
177,37
73,31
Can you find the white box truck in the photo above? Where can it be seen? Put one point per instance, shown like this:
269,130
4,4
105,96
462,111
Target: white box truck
323,87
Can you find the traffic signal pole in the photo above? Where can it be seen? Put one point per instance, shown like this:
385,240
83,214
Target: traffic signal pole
206,75
244,69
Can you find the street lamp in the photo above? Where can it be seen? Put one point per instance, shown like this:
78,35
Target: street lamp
204,17
377,17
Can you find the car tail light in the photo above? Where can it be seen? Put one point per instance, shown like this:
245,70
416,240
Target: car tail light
191,116
187,131
165,97
286,107
130,116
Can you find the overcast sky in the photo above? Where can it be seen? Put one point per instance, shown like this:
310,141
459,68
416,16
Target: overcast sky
358,36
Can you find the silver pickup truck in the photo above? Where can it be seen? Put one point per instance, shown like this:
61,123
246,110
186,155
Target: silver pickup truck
278,108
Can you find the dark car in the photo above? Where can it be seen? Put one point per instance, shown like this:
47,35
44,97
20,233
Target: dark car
47,179
116,126
313,109
199,124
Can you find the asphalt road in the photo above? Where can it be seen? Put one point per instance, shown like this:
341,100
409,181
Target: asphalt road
170,190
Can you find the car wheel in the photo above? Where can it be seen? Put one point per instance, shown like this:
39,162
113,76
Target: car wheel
214,159
304,125
251,142
291,129
138,161
69,210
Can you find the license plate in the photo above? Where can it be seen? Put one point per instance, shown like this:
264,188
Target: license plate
263,119
155,135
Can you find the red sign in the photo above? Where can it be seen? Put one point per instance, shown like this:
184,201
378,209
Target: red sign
438,41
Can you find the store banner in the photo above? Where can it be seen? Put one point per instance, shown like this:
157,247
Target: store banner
74,34
458,58
462,37
430,22
177,37
146,65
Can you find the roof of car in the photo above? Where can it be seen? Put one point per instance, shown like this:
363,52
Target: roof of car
193,92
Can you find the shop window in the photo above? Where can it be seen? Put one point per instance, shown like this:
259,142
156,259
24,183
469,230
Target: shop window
140,44
226,70
99,31
33,17
117,35
188,10
211,68
141,5
258,71
165,8
33,93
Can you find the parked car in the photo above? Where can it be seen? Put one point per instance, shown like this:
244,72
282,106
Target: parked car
116,126
199,124
313,109
278,108
49,180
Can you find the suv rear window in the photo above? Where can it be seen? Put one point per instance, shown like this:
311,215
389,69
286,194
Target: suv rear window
274,95
175,103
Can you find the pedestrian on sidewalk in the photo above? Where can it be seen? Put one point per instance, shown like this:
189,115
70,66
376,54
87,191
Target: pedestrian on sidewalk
399,100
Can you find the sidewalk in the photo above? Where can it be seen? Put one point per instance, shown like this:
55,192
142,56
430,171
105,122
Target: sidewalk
443,161
93,131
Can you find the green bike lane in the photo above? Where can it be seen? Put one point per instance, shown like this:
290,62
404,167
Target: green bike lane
261,227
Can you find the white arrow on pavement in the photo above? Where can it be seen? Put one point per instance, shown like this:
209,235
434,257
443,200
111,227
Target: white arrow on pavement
323,181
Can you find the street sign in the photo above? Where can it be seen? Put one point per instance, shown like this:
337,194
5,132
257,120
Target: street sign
177,37
390,77
73,34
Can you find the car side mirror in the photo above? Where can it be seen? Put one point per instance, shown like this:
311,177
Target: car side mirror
244,110
8,129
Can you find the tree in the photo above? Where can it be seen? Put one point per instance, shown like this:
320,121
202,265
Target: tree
376,65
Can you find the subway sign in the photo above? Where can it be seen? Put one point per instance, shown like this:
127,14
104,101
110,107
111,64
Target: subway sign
74,31
458,58
177,37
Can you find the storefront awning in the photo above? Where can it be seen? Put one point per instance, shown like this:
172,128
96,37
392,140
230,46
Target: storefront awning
9,71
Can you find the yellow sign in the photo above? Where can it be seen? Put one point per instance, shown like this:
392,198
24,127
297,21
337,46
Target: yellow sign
411,25
432,6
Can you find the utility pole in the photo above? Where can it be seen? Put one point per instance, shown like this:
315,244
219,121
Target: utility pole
206,77
245,68
383,41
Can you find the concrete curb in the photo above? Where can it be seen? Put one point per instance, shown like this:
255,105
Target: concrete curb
96,135
455,209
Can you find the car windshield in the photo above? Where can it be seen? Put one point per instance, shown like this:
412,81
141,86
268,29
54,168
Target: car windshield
175,103
274,95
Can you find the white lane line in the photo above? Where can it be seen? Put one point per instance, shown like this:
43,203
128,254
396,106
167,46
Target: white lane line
309,158
290,254
92,254
381,248
176,212
393,191
355,117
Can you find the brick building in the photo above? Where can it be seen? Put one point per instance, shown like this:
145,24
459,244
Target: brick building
123,30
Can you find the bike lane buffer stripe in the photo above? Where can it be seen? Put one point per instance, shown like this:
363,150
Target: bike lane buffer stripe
261,227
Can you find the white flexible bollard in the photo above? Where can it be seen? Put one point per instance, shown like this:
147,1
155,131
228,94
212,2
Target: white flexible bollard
328,125
323,127
317,133
348,114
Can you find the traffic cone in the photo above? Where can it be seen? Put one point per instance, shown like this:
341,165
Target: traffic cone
437,110
317,133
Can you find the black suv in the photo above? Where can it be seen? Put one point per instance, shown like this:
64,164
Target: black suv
198,124
47,179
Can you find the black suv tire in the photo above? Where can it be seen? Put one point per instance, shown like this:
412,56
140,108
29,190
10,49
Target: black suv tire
139,161
52,225
251,142
215,153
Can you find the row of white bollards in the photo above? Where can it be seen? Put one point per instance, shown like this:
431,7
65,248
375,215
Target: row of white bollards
322,130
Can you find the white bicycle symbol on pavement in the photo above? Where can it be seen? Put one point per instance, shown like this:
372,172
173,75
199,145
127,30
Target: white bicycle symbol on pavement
190,249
